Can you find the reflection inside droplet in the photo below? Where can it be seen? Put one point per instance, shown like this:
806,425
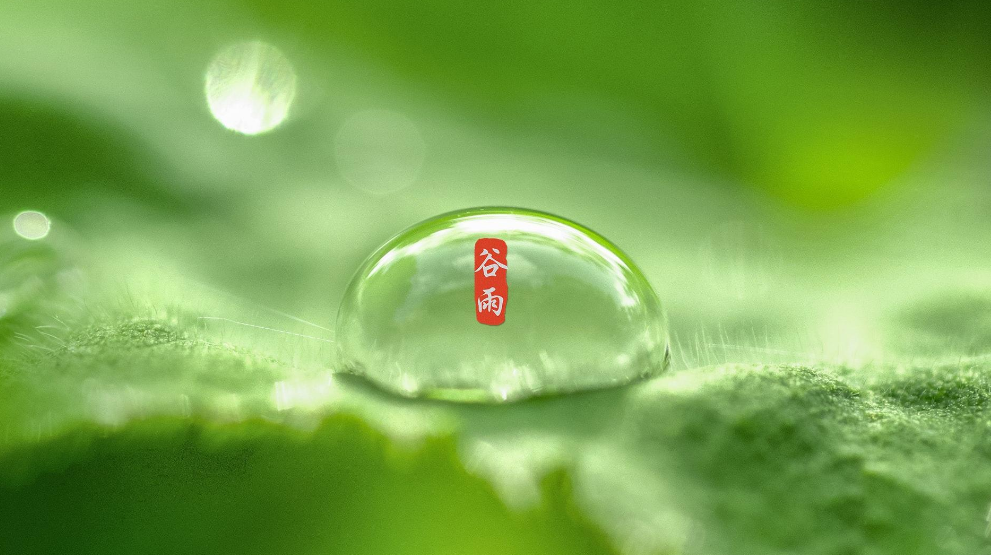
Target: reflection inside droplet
379,151
581,315
32,225
250,87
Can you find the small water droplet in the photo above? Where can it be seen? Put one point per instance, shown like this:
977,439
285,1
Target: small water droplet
250,87
579,314
32,225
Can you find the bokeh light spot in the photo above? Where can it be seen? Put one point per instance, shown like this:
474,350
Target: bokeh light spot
250,87
379,151
32,225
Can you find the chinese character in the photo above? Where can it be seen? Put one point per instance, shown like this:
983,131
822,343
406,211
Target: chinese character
491,291
489,302
490,266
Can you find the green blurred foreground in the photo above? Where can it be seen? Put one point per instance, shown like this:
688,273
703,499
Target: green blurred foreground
736,459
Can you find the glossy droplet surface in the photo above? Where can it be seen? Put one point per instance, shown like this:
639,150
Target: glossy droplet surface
579,314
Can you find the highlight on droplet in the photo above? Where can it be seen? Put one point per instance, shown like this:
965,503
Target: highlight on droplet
32,225
250,87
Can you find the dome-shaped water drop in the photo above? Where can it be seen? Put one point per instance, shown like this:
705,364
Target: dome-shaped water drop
496,304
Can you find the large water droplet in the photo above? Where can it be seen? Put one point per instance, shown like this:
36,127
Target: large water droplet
579,314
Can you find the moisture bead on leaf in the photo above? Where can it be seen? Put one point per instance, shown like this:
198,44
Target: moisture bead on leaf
573,312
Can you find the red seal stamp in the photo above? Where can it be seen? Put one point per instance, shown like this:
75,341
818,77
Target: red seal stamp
491,291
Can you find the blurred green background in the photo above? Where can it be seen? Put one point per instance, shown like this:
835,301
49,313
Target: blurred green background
746,154
803,182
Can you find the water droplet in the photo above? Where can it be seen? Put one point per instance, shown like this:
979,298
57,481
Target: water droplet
379,151
250,87
579,314
32,225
